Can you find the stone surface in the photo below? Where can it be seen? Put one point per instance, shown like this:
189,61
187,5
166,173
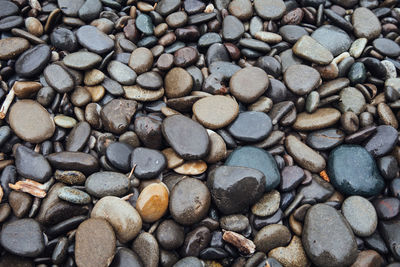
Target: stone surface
101,184
301,79
33,61
366,24
251,126
248,84
320,119
308,48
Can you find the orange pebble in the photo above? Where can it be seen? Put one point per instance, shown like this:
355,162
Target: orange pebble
324,176
152,202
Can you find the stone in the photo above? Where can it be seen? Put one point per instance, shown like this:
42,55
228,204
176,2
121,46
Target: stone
248,84
74,195
64,39
234,222
20,203
189,201
170,235
293,255
58,78
267,205
78,137
390,233
292,33
353,171
387,207
333,38
141,60
12,46
150,80
327,238
8,9
178,82
146,246
118,155
232,28
121,73
31,62
32,165
126,257
269,9
217,147
95,243
366,24
387,47
309,49
320,119
101,184
82,60
292,176
301,79
251,126
368,258
94,40
148,163
116,114
272,236
228,185
382,141
123,218
77,161
152,202
90,10
259,159
30,121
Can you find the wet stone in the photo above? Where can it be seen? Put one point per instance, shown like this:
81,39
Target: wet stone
7,8
12,46
20,203
150,80
365,23
58,78
33,61
116,115
269,9
387,47
170,235
383,141
292,33
94,40
118,155
267,205
325,139
301,79
333,38
77,138
82,60
148,163
308,48
74,195
101,184
322,118
387,208
232,28
247,126
32,165
292,176
121,73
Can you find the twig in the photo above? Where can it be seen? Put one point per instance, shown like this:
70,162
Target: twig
6,104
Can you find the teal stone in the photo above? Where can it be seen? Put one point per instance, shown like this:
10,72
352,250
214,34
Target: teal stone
353,171
357,73
259,159
144,24
74,195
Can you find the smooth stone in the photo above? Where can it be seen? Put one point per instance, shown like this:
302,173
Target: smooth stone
250,126
366,24
267,205
189,261
58,78
70,8
351,99
357,73
255,44
118,154
78,137
185,57
150,80
270,65
320,119
387,208
152,202
121,73
31,62
148,163
292,255
101,184
7,8
141,60
146,246
333,38
94,40
116,115
387,47
179,131
272,236
30,121
242,9
382,141
218,149
138,93
209,39
388,167
215,112
12,46
193,6
292,33
23,238
269,9
259,159
248,84
228,185
173,159
235,222
70,177
144,24
126,257
217,52
170,235
327,238
95,243
90,10
353,171
74,195
178,82
305,156
64,121
194,167
82,60
166,7
325,139
20,203
10,23
368,258
189,201
361,215
64,39
124,218
232,28
301,79
390,233
77,161
309,49
149,132
81,96
32,165
201,18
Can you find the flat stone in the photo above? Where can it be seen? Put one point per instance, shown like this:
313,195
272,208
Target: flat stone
90,10
251,126
305,156
149,162
267,205
118,154
387,47
353,171
351,99
22,237
152,202
82,60
308,48
319,189
77,161
259,159
166,7
361,215
333,38
390,233
292,33
228,185
382,141
234,222
327,238
189,201
248,84
20,203
320,119
126,257
70,177
292,255
135,92
101,184
272,236
179,131
123,218
301,79
30,121
368,258
146,246
32,165
232,28
58,78
95,243
387,207
141,60
121,73
31,62
12,46
94,40
8,8
116,115
70,8
366,24
292,176
242,9
64,39
325,139
178,82
269,9
74,195
78,137
150,80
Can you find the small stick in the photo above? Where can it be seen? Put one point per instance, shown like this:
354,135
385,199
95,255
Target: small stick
125,198
131,173
6,104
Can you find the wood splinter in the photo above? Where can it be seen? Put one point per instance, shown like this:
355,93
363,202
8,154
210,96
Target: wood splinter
6,104
29,186
242,243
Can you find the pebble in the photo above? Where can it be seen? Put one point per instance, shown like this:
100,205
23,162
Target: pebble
150,80
309,49
387,208
64,39
353,171
292,176
361,215
30,121
12,46
368,258
387,47
58,78
235,222
141,60
228,184
272,236
320,119
116,114
194,167
118,154
303,155
366,24
123,218
269,9
248,84
152,202
32,165
325,139
8,9
189,201
70,177
267,205
170,235
137,93
389,231
78,137
20,203
218,149
292,33
121,73
101,184
179,131
292,255
126,257
232,28
77,161
74,195
94,40
326,232
90,10
259,159
251,126
146,246
64,121
31,62
82,60
95,243
333,38
22,237
215,112
178,82
382,141
301,79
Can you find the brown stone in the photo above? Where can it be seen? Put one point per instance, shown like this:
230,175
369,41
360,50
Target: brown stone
152,202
